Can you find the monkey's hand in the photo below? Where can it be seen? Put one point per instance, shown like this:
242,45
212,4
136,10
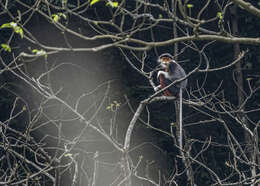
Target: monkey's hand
157,88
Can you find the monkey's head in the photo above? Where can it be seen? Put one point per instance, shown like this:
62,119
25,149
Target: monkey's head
165,59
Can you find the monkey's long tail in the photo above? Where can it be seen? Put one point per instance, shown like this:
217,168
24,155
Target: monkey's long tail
180,119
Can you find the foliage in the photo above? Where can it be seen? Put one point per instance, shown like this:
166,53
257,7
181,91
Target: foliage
58,16
17,29
6,47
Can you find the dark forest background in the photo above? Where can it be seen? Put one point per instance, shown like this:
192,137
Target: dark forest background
45,142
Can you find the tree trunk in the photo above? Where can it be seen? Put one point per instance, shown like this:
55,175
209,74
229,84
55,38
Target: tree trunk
240,89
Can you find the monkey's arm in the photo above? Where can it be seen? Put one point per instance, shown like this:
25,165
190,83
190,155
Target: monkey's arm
158,77
165,74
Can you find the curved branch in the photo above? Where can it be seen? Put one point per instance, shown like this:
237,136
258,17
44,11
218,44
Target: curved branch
149,45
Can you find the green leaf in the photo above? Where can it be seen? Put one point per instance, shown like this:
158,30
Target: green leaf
18,30
35,51
14,26
94,2
6,25
189,5
112,4
6,47
220,15
68,155
55,17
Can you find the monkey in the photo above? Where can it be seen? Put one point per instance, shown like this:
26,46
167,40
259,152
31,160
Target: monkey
172,72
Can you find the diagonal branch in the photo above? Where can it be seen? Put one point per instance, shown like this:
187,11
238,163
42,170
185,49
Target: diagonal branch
248,7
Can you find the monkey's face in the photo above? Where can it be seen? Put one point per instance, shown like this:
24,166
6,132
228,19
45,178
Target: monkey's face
165,61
